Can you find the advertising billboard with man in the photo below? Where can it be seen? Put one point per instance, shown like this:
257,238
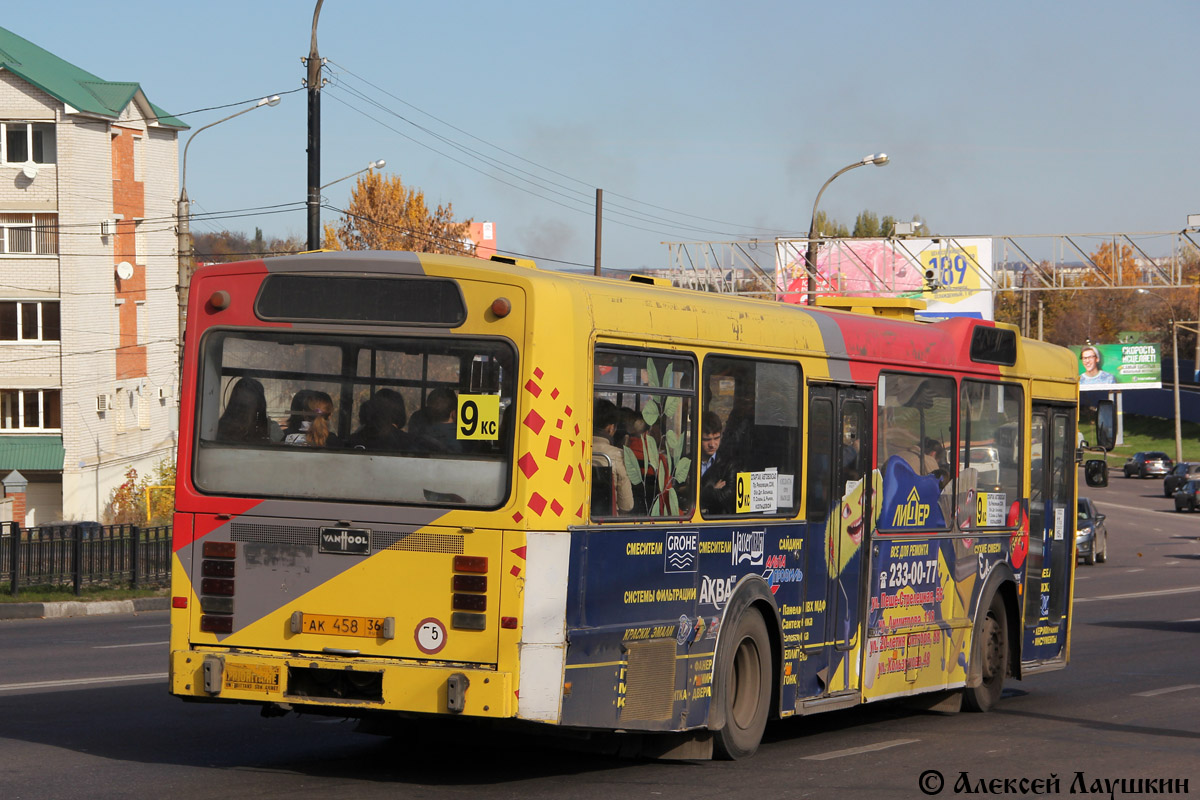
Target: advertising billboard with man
1116,367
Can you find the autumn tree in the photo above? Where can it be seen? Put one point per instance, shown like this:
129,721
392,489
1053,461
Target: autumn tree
384,214
127,502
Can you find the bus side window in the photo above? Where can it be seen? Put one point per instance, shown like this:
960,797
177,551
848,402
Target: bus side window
759,403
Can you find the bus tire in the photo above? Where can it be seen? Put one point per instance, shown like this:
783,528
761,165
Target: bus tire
744,680
990,657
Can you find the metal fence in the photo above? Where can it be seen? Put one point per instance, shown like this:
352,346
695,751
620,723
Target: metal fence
84,555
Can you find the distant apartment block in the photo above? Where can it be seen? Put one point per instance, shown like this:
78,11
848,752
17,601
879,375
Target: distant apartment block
88,326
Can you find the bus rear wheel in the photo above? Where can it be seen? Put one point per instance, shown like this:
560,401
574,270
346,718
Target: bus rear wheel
743,678
990,658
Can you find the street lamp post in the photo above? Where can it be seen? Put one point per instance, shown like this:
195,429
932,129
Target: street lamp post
380,164
810,256
313,82
183,217
1175,357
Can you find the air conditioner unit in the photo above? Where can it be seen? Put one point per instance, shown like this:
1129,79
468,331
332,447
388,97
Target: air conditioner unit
108,227
103,403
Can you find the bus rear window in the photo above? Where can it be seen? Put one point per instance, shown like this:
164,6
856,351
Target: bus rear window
354,298
423,421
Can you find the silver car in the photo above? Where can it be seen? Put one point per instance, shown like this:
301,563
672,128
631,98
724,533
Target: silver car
1147,464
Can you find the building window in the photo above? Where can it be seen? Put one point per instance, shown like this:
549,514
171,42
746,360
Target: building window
139,160
119,408
29,321
140,248
29,234
143,409
139,307
30,410
28,141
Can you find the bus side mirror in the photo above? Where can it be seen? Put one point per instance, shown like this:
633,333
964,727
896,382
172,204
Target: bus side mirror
1095,472
1106,424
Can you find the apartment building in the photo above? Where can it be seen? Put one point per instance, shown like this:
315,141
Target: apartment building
88,268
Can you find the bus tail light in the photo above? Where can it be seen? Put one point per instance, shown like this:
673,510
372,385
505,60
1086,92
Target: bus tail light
217,571
469,583
470,602
469,593
470,563
220,549
219,586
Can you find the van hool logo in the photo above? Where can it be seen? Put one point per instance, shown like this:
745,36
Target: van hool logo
345,540
749,546
681,552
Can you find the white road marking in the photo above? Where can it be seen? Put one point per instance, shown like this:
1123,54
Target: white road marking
1143,509
115,646
1168,690
140,678
854,751
1158,593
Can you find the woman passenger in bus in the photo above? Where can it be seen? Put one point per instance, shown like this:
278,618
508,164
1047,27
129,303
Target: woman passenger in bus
245,417
382,417
308,426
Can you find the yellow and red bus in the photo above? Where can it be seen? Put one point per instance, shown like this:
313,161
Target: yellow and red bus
439,487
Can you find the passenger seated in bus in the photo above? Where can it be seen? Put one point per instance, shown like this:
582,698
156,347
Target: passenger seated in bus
308,425
433,426
245,417
382,419
604,426
717,479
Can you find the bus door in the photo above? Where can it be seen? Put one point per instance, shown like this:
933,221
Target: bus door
1051,533
839,516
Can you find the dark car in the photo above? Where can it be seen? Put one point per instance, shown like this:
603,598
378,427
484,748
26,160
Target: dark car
1143,465
1091,537
1186,496
1180,474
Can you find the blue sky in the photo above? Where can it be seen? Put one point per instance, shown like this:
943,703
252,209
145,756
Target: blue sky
704,120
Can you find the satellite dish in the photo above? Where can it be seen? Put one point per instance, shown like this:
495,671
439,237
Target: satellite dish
124,270
30,170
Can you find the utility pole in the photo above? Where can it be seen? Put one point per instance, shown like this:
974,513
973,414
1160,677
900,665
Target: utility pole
599,222
313,83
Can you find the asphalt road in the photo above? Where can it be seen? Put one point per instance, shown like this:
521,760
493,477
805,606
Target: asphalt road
84,713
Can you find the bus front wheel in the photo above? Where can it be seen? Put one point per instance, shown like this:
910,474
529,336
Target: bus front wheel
744,687
990,657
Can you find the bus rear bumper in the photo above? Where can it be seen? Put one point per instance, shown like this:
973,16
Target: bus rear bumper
377,684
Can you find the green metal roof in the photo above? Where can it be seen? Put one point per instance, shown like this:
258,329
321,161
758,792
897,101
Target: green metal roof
31,452
70,84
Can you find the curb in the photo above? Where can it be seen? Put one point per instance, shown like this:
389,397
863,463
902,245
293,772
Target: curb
79,608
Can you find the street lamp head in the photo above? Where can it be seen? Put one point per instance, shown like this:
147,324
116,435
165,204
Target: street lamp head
380,164
878,159
273,100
